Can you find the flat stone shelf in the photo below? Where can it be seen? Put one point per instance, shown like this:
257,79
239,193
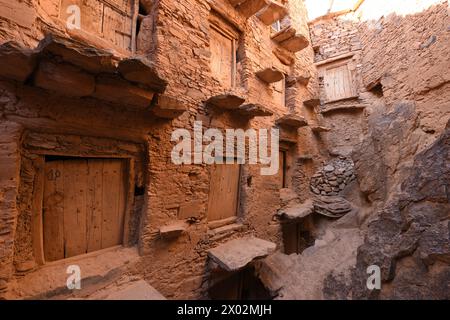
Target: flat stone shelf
270,75
272,13
142,71
302,79
292,120
297,211
288,140
249,8
253,110
167,107
284,34
173,230
319,129
286,57
236,254
344,108
225,101
311,103
296,43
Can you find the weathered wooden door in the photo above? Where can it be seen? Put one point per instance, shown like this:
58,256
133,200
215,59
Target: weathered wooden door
84,206
222,57
224,191
339,82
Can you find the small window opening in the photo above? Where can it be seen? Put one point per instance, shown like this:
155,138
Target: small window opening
139,191
377,90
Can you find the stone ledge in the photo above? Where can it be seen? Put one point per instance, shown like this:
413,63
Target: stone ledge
167,107
319,129
348,108
272,13
298,211
249,8
292,120
253,110
236,254
296,43
311,103
270,75
227,101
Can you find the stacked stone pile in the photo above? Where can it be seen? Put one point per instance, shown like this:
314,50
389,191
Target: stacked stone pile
333,177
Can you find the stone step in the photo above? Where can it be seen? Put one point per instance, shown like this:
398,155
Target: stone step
272,13
292,120
167,107
270,75
134,290
225,101
253,110
251,7
284,34
295,43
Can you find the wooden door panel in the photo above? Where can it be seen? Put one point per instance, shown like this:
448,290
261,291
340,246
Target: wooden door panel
75,183
53,211
224,191
113,203
94,205
222,57
84,206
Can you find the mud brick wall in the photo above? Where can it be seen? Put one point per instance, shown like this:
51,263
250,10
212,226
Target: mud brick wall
177,268
175,36
409,56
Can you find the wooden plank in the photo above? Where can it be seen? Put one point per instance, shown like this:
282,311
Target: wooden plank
37,220
94,204
75,189
224,191
113,203
129,183
222,57
117,28
53,211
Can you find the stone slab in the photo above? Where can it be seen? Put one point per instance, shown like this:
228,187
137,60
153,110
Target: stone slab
138,290
236,254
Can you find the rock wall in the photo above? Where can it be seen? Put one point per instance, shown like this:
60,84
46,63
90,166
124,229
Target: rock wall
409,240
